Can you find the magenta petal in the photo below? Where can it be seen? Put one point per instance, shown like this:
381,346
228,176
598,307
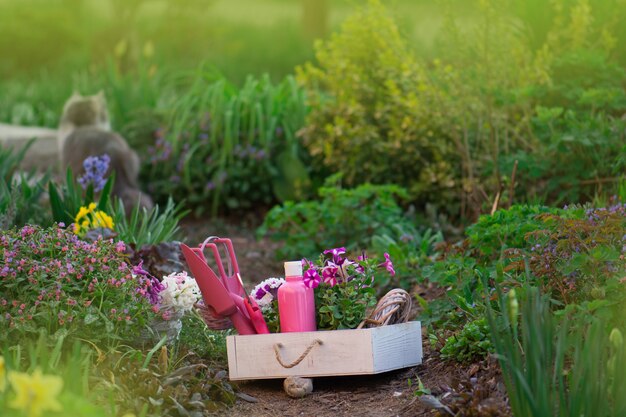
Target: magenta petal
335,251
311,278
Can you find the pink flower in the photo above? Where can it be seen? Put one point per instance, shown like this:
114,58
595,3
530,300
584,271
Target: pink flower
330,274
311,278
120,246
336,252
388,265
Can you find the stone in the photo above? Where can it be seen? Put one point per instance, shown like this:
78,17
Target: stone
42,154
297,387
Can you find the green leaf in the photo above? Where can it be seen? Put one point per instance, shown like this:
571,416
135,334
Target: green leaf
90,318
106,192
59,213
605,253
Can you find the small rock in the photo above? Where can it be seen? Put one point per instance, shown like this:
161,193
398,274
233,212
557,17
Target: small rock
297,387
397,394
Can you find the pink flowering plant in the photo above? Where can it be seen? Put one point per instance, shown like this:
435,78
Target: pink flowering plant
343,286
52,280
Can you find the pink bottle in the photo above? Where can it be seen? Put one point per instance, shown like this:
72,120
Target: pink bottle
296,303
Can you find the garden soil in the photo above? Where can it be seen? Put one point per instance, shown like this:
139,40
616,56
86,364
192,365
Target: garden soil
473,389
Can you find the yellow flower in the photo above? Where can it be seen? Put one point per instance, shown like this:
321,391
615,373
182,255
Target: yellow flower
35,393
91,219
101,219
3,375
81,213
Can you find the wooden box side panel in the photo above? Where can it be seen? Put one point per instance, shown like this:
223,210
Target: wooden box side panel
342,352
397,346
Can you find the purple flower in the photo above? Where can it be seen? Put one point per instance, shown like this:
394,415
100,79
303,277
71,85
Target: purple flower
138,269
311,278
154,289
335,252
329,273
338,260
259,293
388,265
95,172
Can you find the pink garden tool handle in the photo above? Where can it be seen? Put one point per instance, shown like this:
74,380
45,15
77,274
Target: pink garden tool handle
215,293
231,252
232,279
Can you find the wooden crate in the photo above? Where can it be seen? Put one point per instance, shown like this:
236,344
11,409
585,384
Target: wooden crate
341,352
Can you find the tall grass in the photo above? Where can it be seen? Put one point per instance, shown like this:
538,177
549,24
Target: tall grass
233,147
555,367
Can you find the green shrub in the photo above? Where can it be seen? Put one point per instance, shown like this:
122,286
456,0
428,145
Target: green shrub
547,363
409,250
52,280
372,105
147,227
470,343
580,258
592,143
20,195
505,229
232,148
341,217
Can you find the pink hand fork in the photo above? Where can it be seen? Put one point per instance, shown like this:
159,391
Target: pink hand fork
232,281
214,293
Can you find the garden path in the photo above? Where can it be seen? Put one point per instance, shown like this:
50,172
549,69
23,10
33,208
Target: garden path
476,386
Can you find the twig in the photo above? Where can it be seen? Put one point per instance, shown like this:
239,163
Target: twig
495,203
599,181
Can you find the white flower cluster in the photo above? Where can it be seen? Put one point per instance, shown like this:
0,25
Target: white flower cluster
265,292
181,292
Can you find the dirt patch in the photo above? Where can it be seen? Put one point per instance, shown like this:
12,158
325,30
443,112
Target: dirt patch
475,389
256,258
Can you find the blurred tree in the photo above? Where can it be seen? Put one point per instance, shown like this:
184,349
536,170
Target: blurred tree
314,18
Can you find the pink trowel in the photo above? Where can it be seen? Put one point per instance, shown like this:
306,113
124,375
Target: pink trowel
215,293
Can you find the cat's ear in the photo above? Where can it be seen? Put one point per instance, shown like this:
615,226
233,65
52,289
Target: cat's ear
76,94
101,98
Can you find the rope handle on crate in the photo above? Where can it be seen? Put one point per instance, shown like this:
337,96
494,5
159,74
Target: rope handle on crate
278,345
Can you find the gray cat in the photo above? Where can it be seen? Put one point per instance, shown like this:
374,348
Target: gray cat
84,131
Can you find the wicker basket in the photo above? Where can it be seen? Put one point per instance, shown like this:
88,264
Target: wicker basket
212,320
393,308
